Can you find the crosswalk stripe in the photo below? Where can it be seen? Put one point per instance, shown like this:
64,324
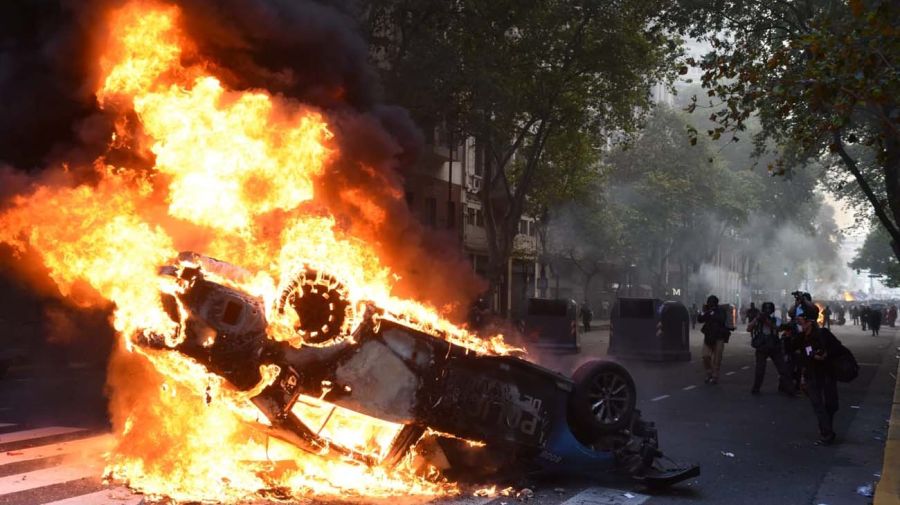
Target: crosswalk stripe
45,477
606,496
96,444
113,496
18,436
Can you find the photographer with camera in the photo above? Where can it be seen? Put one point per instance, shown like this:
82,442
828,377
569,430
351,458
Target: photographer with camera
817,347
764,339
715,333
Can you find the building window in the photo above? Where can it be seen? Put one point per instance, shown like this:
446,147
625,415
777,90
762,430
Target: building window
451,215
474,217
431,211
479,160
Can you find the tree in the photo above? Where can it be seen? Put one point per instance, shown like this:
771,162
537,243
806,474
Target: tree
822,77
585,234
878,258
517,75
679,202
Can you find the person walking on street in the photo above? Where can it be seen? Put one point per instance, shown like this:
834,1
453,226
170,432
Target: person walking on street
752,312
854,314
818,346
715,335
874,321
827,315
864,317
892,315
586,316
764,338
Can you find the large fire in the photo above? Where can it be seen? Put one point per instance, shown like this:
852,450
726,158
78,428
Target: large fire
234,175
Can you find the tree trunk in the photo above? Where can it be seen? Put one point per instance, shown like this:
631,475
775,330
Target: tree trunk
891,169
892,184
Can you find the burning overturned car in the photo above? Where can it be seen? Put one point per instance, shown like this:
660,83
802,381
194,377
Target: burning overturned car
462,412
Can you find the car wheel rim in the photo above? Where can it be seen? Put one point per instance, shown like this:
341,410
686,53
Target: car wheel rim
609,397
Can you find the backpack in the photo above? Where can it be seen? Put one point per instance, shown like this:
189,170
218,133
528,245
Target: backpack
764,341
844,366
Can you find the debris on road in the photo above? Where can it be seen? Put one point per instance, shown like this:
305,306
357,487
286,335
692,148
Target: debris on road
867,490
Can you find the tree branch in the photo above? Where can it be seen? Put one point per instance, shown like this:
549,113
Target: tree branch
852,166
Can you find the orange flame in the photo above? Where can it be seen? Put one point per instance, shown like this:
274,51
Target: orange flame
233,175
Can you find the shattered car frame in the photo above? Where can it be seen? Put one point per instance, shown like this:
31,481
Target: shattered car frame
520,415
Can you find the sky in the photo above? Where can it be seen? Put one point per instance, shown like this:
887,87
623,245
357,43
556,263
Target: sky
854,235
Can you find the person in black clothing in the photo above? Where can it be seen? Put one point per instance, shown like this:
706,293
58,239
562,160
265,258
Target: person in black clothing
764,331
827,315
790,344
864,317
694,312
874,320
817,346
478,313
586,316
715,334
752,312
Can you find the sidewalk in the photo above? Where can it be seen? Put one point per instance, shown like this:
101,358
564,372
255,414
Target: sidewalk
888,490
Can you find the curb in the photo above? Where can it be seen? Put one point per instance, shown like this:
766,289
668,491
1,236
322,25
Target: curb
887,492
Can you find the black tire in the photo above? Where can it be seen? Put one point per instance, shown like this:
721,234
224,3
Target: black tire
602,401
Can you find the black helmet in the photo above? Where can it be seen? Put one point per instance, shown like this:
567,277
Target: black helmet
712,300
768,307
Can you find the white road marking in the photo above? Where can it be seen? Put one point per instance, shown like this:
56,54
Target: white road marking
16,436
46,477
658,398
4,425
745,367
688,388
113,496
97,444
730,373
606,496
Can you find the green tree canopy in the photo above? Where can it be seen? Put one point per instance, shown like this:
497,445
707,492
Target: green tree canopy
877,257
822,77
519,77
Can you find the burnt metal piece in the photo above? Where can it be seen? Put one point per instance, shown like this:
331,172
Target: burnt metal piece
517,412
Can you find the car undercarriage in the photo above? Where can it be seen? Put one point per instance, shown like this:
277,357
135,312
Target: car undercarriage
465,413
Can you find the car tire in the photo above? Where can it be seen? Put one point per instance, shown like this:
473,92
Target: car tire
602,401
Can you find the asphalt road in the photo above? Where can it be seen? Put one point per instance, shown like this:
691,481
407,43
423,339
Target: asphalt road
770,436
751,449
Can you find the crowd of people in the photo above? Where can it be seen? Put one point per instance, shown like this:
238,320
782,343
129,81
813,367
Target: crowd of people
870,318
808,358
